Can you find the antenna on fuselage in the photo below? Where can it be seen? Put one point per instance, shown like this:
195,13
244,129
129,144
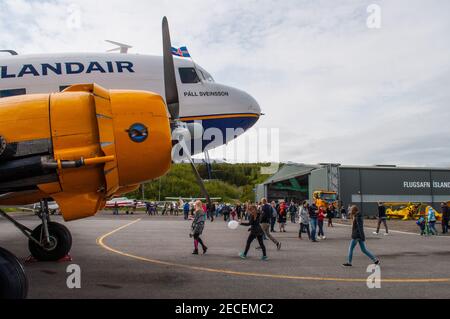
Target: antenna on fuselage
12,52
123,48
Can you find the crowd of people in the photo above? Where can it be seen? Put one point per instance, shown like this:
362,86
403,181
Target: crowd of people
262,217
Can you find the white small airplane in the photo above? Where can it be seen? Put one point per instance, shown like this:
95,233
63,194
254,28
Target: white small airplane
201,98
124,202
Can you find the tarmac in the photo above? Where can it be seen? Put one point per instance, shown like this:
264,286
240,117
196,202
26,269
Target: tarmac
140,256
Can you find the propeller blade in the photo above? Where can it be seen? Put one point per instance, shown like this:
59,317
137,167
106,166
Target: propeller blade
200,182
170,82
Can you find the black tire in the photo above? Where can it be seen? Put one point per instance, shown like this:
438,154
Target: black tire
62,243
13,280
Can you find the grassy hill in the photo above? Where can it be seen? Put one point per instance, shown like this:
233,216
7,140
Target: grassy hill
230,181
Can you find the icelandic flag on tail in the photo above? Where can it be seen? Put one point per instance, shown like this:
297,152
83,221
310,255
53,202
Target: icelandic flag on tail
181,52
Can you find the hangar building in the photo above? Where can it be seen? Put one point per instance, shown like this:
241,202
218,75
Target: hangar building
364,186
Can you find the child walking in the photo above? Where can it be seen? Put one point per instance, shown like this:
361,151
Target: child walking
197,227
421,222
282,217
358,237
320,219
432,221
256,232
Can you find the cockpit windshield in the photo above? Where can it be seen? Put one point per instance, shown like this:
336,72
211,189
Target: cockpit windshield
205,75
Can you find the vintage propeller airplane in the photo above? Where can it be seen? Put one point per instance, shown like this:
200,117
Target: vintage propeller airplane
81,147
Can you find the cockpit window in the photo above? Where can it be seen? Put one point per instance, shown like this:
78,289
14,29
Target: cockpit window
208,77
205,75
188,75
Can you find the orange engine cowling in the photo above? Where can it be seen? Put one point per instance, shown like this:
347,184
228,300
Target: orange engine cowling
81,146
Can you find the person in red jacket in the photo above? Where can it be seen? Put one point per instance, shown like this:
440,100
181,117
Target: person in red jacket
282,217
320,218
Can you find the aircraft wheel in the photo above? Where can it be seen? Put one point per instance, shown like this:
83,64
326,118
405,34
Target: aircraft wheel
59,246
13,281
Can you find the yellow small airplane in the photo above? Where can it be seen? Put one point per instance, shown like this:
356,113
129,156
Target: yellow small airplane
88,144
408,211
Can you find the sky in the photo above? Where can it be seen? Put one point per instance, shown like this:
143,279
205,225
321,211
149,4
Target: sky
336,88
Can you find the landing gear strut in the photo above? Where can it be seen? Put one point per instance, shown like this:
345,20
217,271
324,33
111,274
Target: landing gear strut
49,241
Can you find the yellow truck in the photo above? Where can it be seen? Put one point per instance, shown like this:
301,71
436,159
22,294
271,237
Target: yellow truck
325,198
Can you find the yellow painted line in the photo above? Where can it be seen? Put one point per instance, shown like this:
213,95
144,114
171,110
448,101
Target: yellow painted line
214,117
101,242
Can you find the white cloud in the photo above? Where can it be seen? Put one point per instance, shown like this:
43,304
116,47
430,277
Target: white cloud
338,91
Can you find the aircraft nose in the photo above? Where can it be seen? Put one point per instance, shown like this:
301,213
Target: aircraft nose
251,104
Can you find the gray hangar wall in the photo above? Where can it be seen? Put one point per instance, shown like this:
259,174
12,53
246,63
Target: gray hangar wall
367,186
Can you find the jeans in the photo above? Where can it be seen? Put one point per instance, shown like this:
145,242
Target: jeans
362,245
273,220
306,228
422,229
293,218
445,225
265,227
432,226
320,224
382,220
313,223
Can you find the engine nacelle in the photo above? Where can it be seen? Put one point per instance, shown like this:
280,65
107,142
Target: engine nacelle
81,146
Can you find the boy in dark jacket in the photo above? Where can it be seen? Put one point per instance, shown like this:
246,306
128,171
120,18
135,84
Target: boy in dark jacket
382,219
265,218
358,237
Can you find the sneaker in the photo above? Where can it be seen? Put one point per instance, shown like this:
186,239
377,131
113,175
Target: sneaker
375,233
347,265
323,237
242,255
386,234
279,246
264,258
195,252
